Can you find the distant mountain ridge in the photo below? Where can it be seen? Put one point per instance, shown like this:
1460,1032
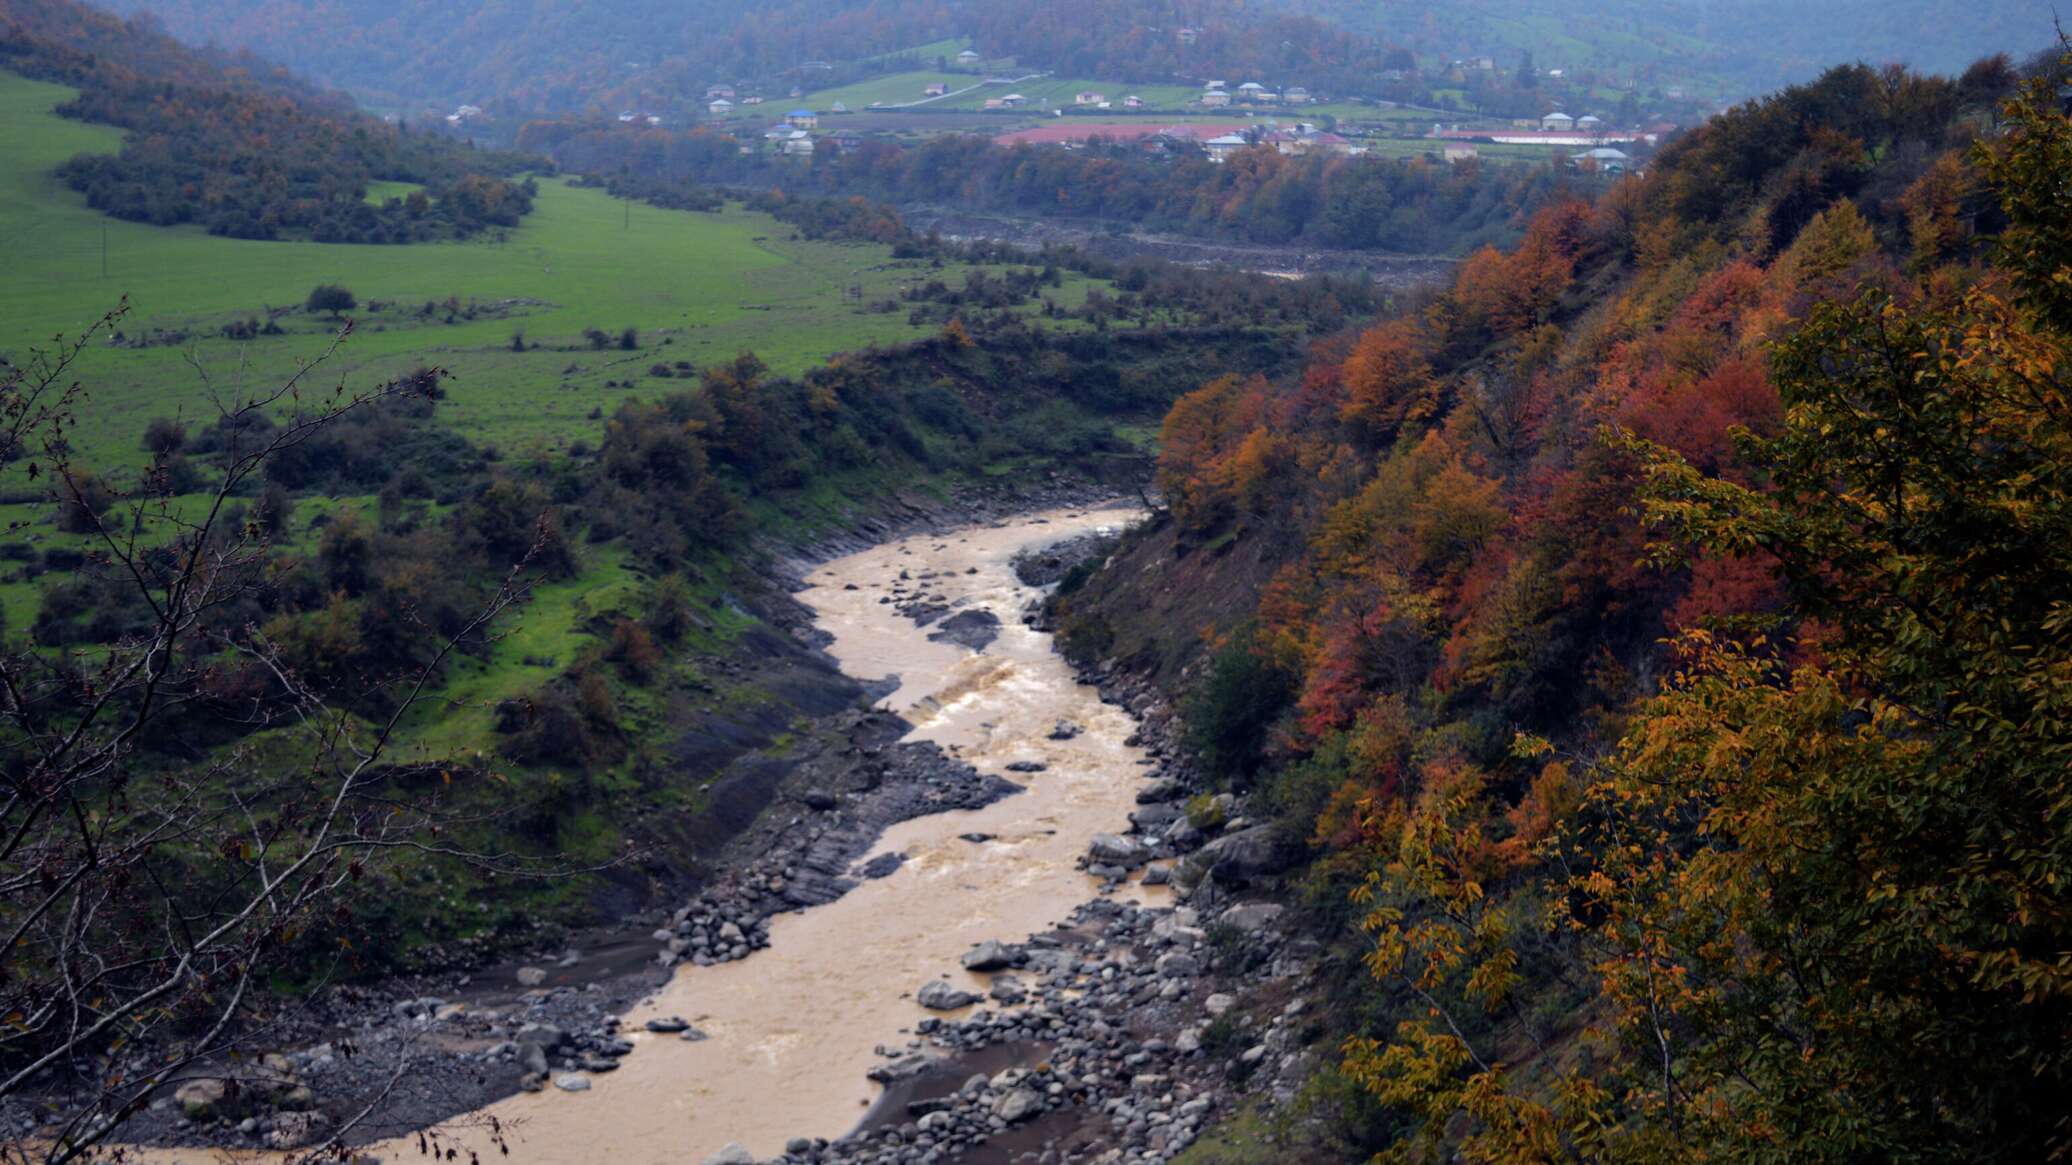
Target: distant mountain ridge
572,55
1753,46
577,55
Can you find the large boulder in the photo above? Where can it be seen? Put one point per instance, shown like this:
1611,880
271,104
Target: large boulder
533,1058
1114,849
1178,965
1252,917
1244,855
1160,791
1154,818
975,629
546,1035
990,955
201,1100
938,995
1019,1105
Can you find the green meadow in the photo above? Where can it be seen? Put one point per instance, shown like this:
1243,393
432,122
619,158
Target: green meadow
1059,92
697,288
891,89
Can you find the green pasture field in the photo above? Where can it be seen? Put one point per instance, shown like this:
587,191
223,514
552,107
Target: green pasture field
927,52
698,288
1060,91
891,89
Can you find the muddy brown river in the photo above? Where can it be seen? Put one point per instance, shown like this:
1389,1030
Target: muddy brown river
794,1028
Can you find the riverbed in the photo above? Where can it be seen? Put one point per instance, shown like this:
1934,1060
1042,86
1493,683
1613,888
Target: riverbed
794,1028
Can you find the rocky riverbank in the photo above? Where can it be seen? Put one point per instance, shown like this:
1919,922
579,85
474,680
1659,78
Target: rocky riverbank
1122,1034
364,1062
1110,1033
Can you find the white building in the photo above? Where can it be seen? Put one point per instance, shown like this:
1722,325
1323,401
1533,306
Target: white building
1604,160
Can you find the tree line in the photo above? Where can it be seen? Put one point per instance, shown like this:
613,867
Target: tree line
1411,205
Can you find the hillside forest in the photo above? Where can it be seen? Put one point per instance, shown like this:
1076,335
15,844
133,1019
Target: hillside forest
1655,648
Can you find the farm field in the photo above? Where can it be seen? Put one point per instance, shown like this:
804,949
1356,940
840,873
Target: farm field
1059,91
927,52
891,89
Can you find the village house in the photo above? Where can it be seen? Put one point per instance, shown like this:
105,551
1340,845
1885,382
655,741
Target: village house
1603,160
721,107
1251,91
995,103
802,119
799,145
838,107
848,141
1215,99
1133,102
463,114
1220,148
1557,121
1013,101
1088,97
751,101
1189,35
1296,95
968,58
718,92
1462,151
936,89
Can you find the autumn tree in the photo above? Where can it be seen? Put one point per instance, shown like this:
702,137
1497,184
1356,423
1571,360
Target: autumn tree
1838,893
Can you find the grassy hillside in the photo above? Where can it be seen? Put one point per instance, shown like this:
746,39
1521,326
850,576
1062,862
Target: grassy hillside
698,287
